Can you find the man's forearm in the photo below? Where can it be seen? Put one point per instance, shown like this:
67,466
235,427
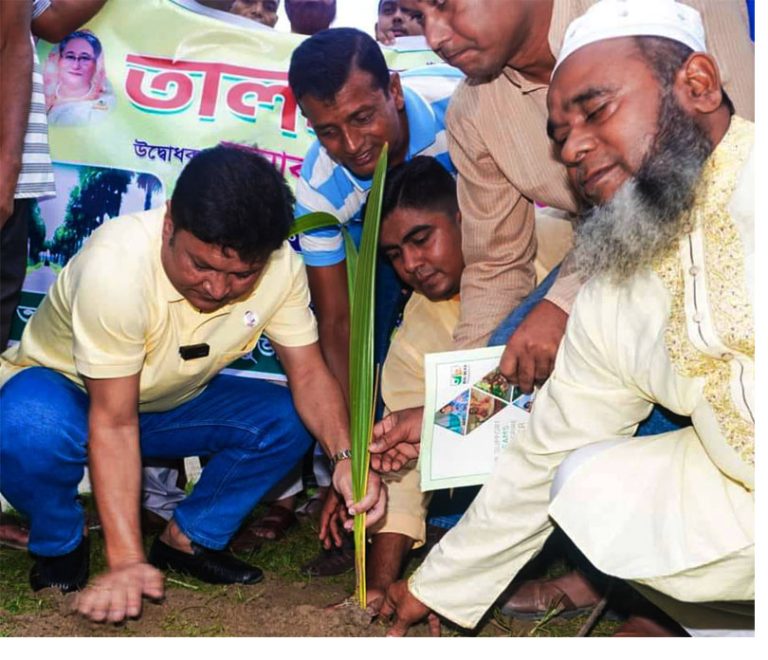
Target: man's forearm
320,405
328,288
316,395
498,241
334,344
16,62
504,527
115,471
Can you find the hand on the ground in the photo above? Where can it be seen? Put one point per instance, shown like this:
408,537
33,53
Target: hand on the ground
529,356
117,594
396,439
332,519
405,610
373,504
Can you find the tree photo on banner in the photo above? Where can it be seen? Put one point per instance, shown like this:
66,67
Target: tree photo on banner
133,95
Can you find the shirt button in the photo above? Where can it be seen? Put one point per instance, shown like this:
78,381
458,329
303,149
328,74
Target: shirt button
727,356
687,227
697,317
694,270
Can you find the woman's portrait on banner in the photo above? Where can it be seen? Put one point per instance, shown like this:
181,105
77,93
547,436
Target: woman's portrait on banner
77,91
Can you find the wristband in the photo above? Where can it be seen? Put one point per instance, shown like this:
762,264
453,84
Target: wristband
343,455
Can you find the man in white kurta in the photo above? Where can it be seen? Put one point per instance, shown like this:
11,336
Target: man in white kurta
672,513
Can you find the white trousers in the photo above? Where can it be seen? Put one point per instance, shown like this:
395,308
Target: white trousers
721,619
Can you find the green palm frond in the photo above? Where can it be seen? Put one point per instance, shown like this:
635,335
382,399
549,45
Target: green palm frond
316,220
351,254
363,373
321,219
361,367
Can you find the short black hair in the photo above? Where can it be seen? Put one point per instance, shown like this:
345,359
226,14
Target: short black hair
235,198
89,36
320,65
665,57
421,183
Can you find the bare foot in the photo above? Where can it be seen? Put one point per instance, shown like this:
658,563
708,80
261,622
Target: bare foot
175,538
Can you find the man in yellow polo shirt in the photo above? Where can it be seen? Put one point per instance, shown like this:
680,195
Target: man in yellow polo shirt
122,361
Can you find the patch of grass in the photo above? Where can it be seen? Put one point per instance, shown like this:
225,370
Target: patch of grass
286,557
16,597
178,624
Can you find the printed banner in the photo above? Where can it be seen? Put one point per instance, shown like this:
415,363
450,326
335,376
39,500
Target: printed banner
134,95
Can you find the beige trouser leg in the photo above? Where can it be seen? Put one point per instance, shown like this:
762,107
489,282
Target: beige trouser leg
731,619
406,505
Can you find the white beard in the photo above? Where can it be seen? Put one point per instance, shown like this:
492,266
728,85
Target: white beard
645,217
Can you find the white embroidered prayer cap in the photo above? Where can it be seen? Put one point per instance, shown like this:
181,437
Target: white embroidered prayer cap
610,19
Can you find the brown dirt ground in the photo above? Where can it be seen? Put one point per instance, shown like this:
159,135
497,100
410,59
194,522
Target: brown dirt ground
275,607
284,604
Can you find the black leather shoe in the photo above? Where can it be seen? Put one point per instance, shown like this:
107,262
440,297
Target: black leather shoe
213,566
68,572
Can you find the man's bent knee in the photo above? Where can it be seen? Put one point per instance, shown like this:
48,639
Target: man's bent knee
41,424
573,461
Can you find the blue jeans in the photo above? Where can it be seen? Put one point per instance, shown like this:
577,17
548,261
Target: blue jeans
248,428
518,314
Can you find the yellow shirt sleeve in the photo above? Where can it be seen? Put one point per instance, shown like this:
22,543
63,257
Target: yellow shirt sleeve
109,314
294,323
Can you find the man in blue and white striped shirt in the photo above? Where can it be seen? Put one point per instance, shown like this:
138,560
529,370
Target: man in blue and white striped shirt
355,106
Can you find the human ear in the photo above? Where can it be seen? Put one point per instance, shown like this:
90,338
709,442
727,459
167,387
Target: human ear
698,83
396,90
168,226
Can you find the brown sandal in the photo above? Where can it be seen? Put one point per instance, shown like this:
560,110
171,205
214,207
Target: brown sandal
272,526
13,532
